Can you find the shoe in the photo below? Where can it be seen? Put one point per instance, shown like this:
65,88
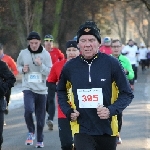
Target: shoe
119,141
30,138
39,145
50,124
4,123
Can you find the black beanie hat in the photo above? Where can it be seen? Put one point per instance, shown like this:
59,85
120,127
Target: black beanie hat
89,28
33,35
71,43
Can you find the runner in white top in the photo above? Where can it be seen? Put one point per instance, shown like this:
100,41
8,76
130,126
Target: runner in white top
131,51
143,56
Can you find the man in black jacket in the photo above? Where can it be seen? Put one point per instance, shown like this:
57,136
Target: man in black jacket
7,81
91,75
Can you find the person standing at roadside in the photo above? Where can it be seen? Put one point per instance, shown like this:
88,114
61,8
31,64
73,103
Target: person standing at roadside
7,80
91,76
13,67
34,63
65,133
56,56
116,46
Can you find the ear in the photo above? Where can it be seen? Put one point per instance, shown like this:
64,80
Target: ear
78,45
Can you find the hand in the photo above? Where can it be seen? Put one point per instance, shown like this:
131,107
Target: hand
74,115
103,112
25,68
38,61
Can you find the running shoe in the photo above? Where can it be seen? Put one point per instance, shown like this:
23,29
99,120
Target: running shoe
30,138
50,124
39,145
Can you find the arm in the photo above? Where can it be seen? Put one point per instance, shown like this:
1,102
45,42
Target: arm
12,66
20,63
7,79
45,67
130,74
61,56
62,94
125,95
124,51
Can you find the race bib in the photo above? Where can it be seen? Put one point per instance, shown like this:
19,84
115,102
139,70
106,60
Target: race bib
35,77
90,98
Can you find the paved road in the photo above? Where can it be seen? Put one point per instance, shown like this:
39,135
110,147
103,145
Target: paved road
135,130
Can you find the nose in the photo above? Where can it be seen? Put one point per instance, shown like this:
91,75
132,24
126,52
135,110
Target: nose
87,44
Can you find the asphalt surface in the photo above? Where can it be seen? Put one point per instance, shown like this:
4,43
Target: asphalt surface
134,134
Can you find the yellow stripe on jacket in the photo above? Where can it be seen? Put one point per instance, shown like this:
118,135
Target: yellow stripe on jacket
114,122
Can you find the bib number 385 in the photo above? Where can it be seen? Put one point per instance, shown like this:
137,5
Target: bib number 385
90,98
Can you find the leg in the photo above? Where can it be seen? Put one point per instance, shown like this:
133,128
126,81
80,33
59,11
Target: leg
106,142
84,142
7,95
1,127
135,73
29,109
51,100
40,111
65,134
119,118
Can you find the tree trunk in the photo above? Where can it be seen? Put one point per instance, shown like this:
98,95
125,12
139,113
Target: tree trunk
56,23
14,5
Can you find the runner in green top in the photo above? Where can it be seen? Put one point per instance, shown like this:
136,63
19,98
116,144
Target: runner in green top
116,52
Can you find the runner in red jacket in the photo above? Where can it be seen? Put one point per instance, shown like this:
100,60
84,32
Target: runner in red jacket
106,47
55,53
12,66
65,132
56,56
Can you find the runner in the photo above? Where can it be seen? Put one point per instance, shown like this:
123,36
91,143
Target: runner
65,133
143,51
116,52
34,64
91,76
12,66
131,51
106,47
7,81
56,56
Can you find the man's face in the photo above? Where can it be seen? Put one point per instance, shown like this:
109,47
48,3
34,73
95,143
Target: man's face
107,43
131,43
116,48
72,52
48,44
88,45
34,44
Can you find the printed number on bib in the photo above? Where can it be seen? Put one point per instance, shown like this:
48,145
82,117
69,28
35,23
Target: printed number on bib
35,77
90,98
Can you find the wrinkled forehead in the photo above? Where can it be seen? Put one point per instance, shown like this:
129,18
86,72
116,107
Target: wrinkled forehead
87,37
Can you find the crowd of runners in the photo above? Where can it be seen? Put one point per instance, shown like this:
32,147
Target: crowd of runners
90,87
